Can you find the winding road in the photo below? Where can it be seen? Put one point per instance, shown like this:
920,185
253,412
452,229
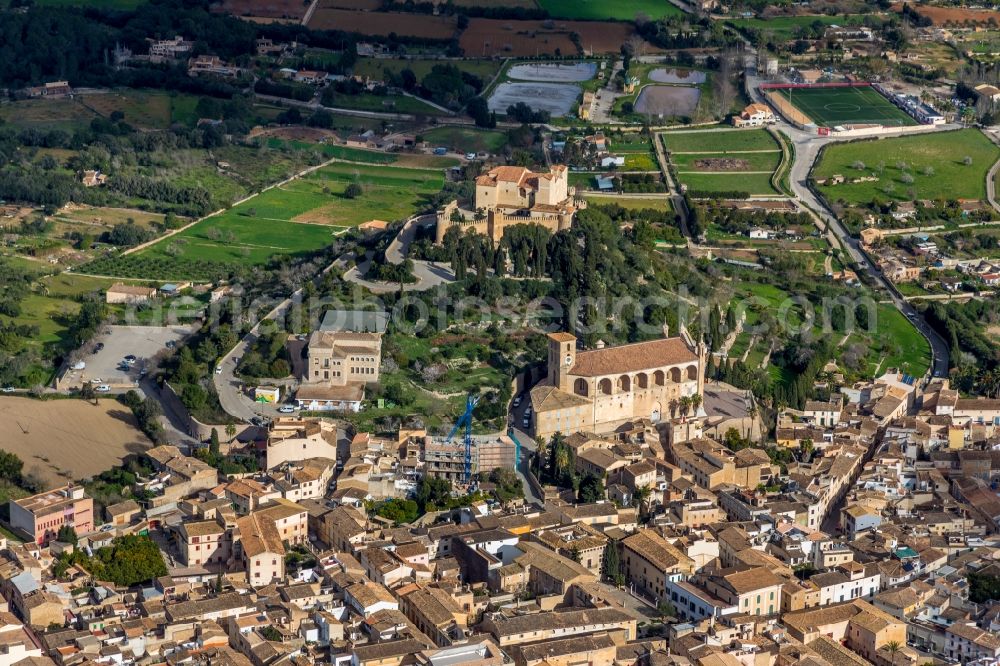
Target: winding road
807,148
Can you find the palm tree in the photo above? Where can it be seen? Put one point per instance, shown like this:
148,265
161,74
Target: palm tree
892,647
231,431
640,500
562,459
696,401
685,403
989,383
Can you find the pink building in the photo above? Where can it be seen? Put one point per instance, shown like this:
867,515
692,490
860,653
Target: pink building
43,514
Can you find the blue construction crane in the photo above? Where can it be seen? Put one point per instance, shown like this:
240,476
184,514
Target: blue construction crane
466,420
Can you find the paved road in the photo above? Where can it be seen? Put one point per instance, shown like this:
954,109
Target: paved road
805,155
233,400
528,447
606,96
680,206
173,423
991,177
429,274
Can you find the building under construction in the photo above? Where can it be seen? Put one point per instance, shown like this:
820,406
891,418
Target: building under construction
446,459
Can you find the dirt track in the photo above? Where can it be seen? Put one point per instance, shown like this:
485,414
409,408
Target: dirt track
63,440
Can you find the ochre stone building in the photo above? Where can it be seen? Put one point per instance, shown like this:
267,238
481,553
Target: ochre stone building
599,389
509,195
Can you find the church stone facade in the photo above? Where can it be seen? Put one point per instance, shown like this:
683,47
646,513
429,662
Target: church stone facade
600,389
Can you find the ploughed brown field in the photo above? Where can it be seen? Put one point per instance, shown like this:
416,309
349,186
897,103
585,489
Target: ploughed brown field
493,37
367,5
953,15
383,23
66,440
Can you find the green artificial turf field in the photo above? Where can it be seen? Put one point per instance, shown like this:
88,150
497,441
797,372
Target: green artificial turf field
836,106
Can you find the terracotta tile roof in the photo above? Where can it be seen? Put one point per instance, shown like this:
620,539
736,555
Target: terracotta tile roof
656,550
548,398
633,357
565,648
749,580
259,536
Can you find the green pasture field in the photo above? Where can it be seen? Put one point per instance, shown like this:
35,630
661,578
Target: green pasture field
630,144
617,10
348,154
466,140
340,152
943,152
295,219
151,109
254,240
891,338
836,106
753,183
785,27
386,104
54,303
630,203
755,161
758,147
903,345
719,141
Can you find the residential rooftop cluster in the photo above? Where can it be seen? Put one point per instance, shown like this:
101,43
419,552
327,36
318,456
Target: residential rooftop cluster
871,542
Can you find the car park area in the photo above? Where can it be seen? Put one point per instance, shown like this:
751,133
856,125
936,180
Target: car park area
104,358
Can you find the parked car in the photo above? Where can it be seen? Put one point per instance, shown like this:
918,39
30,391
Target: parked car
441,151
470,156
218,369
287,409
517,401
7,389
98,347
103,388
130,359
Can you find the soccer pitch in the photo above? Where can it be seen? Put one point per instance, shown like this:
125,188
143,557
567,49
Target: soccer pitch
829,107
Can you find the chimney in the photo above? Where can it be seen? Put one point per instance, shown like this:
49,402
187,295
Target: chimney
666,330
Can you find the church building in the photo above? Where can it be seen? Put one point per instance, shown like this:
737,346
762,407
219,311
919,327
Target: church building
598,390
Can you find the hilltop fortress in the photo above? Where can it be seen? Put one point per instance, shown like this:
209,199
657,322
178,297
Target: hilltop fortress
509,195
